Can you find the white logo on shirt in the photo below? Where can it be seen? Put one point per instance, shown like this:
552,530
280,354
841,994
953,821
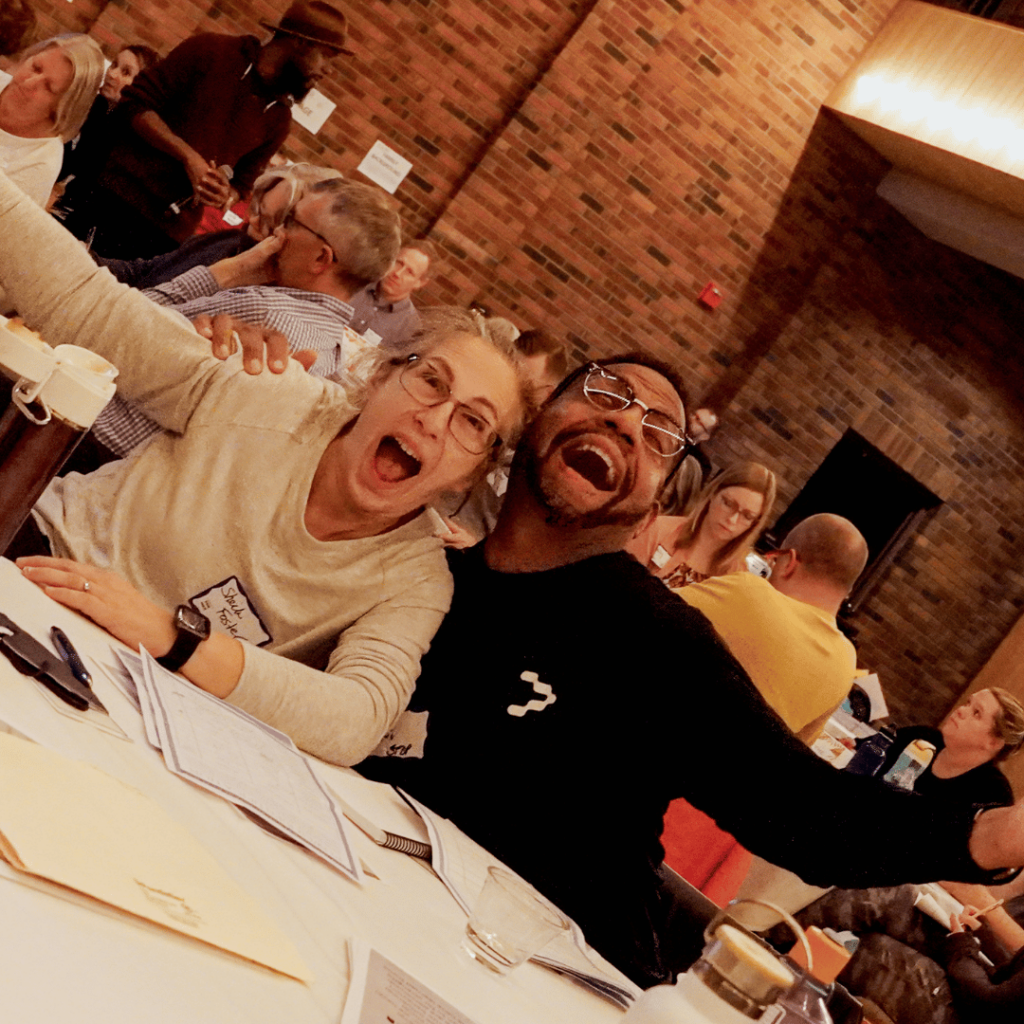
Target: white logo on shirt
518,710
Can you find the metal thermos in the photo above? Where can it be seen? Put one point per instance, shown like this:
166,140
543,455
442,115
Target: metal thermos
738,979
734,982
57,395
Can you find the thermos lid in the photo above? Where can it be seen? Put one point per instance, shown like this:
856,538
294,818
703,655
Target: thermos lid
80,386
738,962
23,354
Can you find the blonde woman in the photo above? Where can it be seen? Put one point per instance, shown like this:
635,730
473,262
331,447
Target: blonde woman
717,536
43,104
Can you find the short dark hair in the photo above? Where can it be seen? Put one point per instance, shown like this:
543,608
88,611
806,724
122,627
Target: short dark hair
636,359
536,341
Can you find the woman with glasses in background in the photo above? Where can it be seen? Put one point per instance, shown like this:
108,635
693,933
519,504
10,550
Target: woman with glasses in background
716,538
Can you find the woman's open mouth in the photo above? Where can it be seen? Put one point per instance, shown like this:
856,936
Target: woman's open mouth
394,462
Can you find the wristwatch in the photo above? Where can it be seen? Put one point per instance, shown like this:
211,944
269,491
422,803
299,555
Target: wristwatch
193,628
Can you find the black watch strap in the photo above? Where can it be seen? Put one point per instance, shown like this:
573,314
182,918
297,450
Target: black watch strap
193,629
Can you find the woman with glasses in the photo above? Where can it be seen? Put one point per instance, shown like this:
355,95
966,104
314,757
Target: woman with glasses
717,536
285,514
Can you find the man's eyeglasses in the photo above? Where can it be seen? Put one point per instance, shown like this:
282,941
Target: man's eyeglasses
660,432
733,508
425,381
292,219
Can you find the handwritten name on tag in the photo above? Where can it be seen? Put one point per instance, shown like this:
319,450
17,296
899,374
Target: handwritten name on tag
406,737
230,611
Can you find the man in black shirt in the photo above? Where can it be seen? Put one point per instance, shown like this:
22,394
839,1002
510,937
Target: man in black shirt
568,696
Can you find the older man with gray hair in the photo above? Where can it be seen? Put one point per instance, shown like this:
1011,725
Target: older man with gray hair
340,236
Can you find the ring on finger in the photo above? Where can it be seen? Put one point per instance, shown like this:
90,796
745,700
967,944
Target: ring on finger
86,586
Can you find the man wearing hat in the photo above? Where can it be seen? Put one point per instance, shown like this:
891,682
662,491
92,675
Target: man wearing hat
201,125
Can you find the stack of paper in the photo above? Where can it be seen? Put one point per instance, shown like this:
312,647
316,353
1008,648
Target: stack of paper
232,754
73,824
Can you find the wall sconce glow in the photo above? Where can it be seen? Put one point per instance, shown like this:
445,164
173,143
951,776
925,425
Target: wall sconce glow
915,107
991,132
939,115
1015,145
964,124
869,87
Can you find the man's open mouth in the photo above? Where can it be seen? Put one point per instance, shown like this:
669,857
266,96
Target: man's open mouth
394,462
593,464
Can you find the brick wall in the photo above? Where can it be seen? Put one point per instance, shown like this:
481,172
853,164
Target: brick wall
591,166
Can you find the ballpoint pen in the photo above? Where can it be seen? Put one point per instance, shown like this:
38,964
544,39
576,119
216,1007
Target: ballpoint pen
30,657
66,649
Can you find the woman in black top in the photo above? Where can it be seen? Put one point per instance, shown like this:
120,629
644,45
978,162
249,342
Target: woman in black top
986,729
85,155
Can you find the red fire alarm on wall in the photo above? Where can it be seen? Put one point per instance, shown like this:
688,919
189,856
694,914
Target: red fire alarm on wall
710,295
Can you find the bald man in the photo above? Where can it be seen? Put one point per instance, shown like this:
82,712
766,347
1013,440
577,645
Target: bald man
783,630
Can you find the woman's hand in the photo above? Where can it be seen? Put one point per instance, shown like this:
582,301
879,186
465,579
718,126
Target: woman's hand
106,599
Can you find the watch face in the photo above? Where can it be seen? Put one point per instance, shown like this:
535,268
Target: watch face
191,621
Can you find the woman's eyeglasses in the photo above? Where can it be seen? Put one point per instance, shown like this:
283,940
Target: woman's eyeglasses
424,380
735,508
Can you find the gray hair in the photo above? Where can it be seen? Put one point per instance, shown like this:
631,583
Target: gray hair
437,325
88,67
298,177
362,228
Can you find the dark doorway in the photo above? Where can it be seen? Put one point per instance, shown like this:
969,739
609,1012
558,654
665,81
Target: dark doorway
884,502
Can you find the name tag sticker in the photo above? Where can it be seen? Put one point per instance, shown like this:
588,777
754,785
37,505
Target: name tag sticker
660,556
230,611
406,737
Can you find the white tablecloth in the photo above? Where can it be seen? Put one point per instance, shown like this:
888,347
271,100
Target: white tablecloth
66,958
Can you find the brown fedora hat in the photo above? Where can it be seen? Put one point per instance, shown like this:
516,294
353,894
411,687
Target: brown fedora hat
317,21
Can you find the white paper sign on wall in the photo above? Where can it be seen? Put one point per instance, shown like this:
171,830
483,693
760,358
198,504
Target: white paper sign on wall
313,111
385,167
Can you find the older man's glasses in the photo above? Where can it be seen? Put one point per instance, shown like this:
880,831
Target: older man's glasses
660,432
292,219
425,380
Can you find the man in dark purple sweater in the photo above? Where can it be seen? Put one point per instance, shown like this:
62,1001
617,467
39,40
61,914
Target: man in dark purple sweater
200,126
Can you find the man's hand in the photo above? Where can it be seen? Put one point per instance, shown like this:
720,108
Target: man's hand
226,335
253,267
209,182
